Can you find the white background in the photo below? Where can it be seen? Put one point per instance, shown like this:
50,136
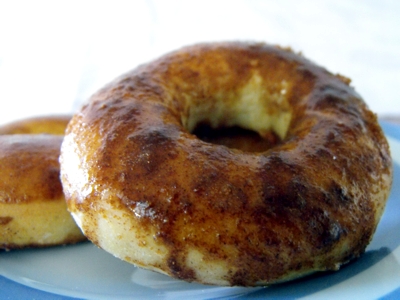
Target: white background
55,54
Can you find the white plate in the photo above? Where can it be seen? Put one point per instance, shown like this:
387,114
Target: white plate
84,271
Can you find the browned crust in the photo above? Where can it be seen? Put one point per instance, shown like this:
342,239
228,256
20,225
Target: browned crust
30,169
33,211
50,124
310,203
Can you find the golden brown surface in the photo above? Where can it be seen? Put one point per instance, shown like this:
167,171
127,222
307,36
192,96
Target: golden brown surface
143,187
33,211
35,125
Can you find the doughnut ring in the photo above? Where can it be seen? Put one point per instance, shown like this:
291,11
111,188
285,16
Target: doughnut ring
51,124
143,186
33,211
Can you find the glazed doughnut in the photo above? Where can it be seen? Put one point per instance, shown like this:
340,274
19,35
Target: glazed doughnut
143,186
51,124
33,211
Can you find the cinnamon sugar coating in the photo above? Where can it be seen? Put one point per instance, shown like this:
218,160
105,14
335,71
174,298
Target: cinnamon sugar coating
33,211
144,187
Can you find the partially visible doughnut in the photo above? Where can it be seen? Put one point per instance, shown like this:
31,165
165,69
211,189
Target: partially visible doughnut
51,124
143,187
33,211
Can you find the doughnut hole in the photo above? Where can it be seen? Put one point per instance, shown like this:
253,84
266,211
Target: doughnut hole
254,118
237,138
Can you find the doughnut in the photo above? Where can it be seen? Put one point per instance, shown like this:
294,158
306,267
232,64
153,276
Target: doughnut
51,124
33,211
143,185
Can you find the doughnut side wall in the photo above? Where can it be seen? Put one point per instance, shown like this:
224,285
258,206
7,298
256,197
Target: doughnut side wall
33,211
147,190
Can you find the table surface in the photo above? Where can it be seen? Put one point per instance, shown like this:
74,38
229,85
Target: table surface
392,119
